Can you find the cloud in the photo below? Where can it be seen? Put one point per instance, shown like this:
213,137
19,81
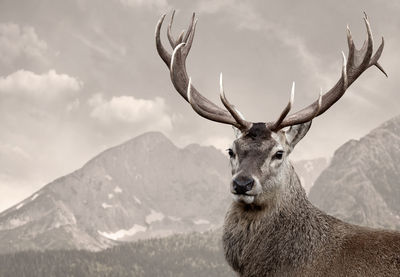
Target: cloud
158,4
13,158
16,41
47,85
74,105
14,151
128,109
212,7
244,14
111,50
305,55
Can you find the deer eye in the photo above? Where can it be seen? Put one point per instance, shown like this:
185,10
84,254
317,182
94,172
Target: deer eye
230,153
278,155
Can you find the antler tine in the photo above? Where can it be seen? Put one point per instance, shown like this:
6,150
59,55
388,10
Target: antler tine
190,36
357,62
169,33
189,28
344,73
165,56
319,105
177,66
205,114
350,43
180,38
285,112
231,109
368,44
375,58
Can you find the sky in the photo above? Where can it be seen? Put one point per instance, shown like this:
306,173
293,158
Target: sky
80,76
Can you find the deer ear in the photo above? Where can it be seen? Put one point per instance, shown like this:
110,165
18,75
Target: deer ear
296,133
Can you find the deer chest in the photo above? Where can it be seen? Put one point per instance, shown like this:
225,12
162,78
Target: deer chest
241,239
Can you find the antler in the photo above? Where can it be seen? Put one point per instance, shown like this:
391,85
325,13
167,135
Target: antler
182,83
357,62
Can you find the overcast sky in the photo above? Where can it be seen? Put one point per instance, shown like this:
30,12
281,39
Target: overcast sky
80,76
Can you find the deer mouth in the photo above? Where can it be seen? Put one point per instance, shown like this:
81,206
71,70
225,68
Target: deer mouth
243,198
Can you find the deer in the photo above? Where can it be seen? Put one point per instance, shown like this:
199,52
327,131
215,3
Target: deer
271,228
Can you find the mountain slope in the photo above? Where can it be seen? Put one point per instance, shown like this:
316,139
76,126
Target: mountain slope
362,182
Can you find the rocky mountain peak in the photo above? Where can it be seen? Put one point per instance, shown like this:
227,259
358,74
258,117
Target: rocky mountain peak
362,182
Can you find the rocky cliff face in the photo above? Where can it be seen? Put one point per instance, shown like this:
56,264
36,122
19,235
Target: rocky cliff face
362,183
146,187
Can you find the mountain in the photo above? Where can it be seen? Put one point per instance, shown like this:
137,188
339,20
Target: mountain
362,183
144,188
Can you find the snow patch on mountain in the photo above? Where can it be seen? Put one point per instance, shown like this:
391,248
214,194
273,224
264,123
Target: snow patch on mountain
201,221
123,233
154,216
137,200
117,189
106,206
14,223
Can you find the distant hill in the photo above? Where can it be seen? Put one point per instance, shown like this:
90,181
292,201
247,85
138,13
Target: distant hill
144,188
189,255
362,183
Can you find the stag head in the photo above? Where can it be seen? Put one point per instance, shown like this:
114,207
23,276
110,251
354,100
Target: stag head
259,154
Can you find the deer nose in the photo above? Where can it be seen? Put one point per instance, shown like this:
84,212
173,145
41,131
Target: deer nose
242,184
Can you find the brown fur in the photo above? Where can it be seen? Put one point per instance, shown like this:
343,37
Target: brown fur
283,234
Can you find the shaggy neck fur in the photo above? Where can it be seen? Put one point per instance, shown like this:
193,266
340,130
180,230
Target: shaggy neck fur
279,238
